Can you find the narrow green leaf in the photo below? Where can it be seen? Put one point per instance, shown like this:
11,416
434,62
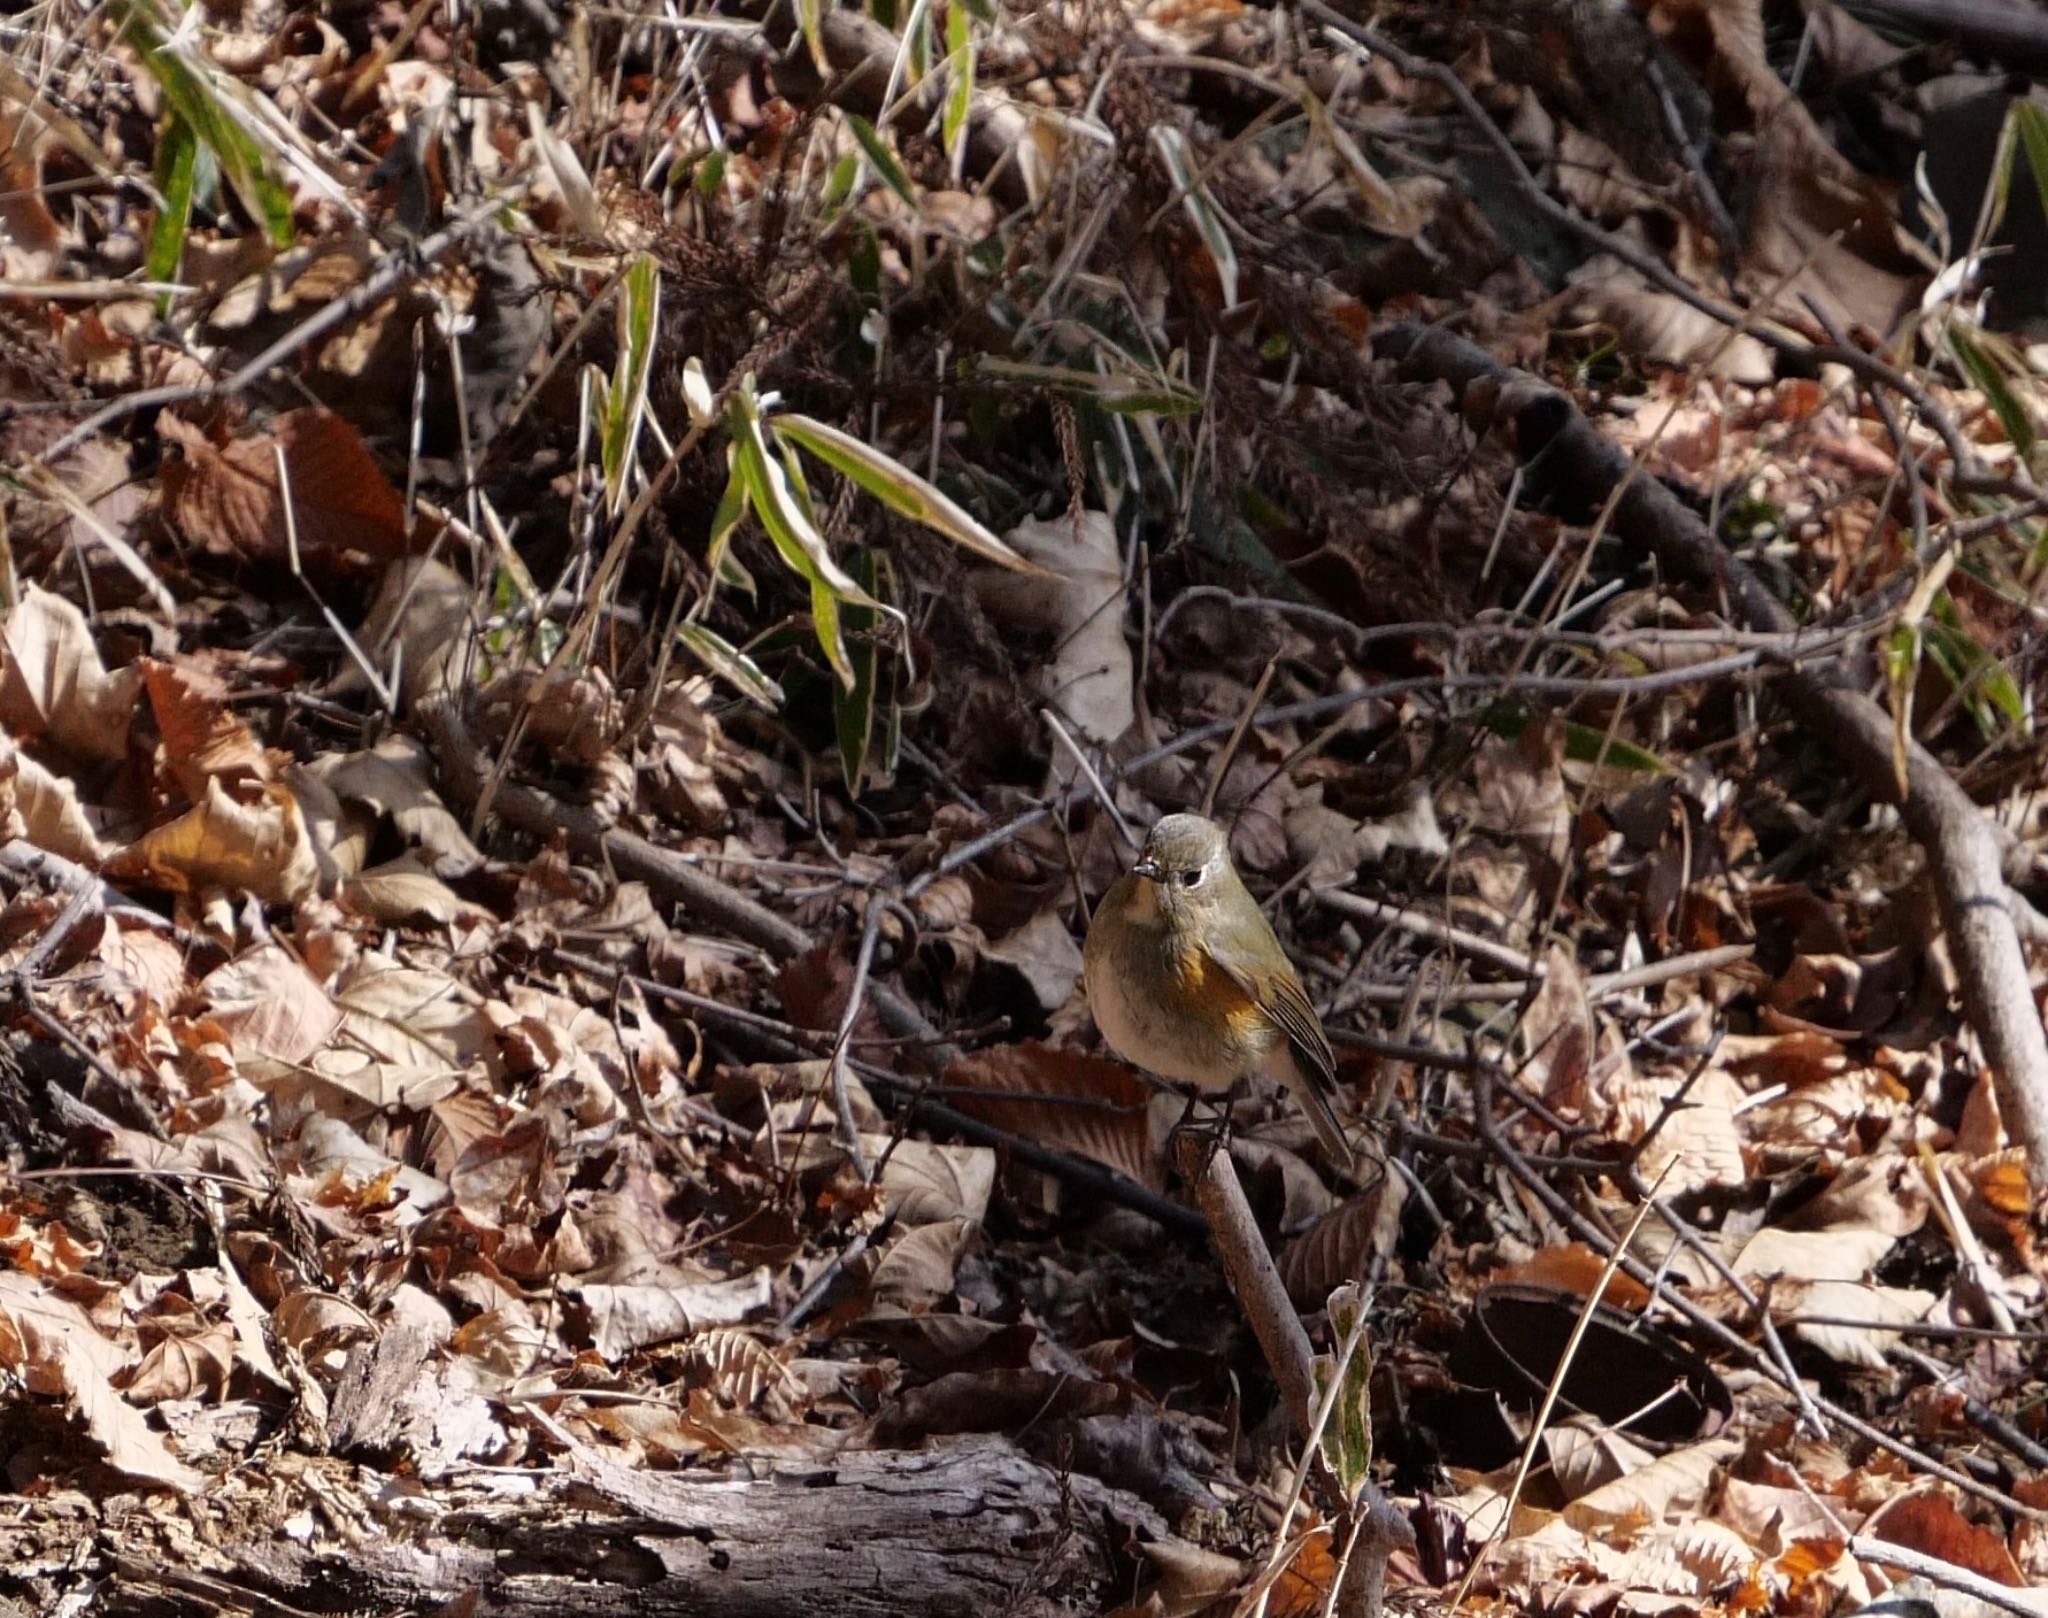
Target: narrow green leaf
959,98
709,179
1991,377
1114,391
960,90
825,622
730,664
625,409
768,492
198,96
810,16
177,175
723,566
1201,210
2030,123
879,154
898,488
853,707
1582,743
839,184
1986,685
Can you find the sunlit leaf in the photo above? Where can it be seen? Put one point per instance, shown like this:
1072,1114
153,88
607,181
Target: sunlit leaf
177,178
810,16
1201,210
897,487
198,97
1989,375
1347,1437
960,94
625,400
730,664
879,154
1582,743
2030,124
853,707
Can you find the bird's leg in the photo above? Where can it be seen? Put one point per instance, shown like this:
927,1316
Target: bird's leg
1219,1132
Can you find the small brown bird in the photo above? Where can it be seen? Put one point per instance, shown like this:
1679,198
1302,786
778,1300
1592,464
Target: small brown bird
1186,979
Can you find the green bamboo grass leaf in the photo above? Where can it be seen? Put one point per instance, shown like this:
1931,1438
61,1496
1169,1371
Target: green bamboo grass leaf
839,185
199,97
885,161
1202,212
723,566
898,488
177,181
1988,374
825,624
853,707
625,404
788,523
1117,392
1582,743
1902,651
709,178
960,95
810,16
730,664
2030,124
1987,686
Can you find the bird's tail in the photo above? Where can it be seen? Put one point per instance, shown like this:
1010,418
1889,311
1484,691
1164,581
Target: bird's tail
1315,1101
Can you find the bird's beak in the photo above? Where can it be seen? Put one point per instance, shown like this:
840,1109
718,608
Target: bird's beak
1148,868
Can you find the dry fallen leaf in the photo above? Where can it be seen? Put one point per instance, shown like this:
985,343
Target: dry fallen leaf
330,504
202,736
1090,680
52,1345
53,685
223,843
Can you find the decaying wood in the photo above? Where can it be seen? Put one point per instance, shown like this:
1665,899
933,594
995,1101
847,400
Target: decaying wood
970,1528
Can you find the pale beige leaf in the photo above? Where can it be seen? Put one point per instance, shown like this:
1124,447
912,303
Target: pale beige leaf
918,1268
926,1182
1813,1255
625,1318
395,780
53,685
51,1344
1849,1300
1090,680
1669,1487
271,1006
403,890
46,807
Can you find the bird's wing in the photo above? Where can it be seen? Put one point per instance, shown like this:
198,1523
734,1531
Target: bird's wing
1281,996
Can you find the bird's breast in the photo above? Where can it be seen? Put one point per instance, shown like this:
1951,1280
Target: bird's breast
1169,1009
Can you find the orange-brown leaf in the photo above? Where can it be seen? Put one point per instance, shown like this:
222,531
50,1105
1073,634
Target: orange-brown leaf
231,498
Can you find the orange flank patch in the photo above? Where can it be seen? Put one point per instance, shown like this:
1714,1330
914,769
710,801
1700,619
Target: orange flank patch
1208,992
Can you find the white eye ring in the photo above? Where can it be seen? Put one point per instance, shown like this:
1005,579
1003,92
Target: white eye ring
1193,879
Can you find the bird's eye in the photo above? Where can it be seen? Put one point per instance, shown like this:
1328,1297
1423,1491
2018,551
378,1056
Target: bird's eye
1191,879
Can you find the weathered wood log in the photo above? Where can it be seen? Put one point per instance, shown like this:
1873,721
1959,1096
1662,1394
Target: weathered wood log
973,1527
